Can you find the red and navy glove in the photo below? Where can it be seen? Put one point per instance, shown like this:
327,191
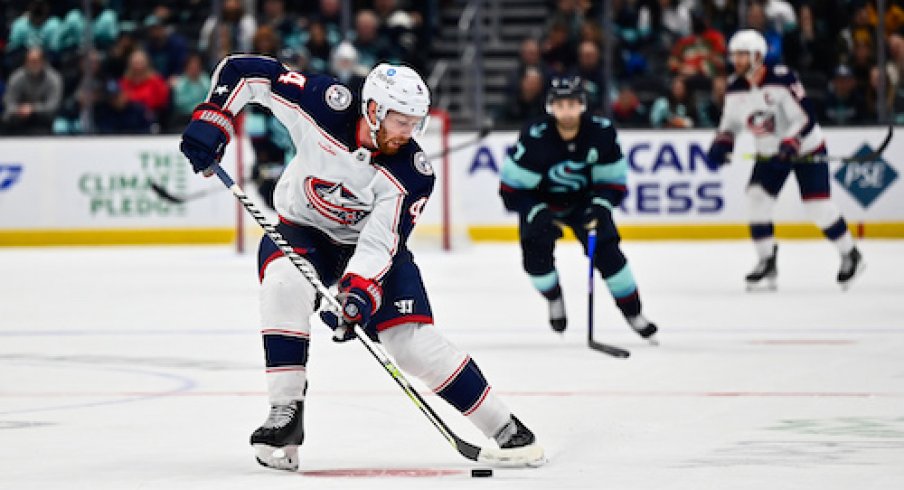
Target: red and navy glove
788,149
360,298
206,136
722,146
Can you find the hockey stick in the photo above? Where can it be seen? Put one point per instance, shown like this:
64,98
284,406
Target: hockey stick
164,194
869,157
593,344
503,457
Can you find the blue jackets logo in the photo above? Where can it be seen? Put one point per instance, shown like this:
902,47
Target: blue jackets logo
9,175
866,181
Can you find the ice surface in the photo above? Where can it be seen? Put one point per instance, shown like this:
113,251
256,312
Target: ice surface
141,368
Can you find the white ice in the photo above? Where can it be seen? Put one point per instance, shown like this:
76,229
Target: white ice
134,367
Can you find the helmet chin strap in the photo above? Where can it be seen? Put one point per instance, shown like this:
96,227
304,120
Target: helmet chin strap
374,127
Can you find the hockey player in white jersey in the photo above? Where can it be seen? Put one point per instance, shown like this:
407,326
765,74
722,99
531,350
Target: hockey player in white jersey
347,203
770,102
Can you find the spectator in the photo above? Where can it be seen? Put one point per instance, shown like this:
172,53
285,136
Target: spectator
330,15
700,54
104,27
810,49
75,115
627,110
232,32
117,59
708,112
756,19
34,28
115,113
189,89
345,67
318,48
861,61
274,15
372,47
844,104
400,27
528,102
142,84
674,110
558,50
528,57
590,69
781,15
33,96
675,20
266,41
166,48
893,103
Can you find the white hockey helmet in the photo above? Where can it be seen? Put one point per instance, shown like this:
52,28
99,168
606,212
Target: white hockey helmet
750,41
398,88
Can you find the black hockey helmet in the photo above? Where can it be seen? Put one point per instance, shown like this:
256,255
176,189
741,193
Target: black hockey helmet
565,87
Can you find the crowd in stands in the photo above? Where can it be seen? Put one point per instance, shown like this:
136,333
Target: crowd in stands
670,60
148,63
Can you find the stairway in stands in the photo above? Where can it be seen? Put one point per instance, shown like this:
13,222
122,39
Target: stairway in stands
506,23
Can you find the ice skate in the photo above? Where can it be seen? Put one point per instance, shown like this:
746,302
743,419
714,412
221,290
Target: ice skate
645,328
516,438
852,265
557,319
276,441
764,274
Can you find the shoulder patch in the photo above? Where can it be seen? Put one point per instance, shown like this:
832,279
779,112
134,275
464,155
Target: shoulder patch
338,97
422,164
780,70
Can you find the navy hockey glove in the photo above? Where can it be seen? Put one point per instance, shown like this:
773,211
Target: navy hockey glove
788,149
206,136
722,146
540,221
360,298
600,211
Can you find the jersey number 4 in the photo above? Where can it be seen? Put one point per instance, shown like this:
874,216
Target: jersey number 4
293,78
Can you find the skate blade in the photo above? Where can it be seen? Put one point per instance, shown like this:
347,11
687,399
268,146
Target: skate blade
846,285
531,456
653,340
280,458
767,285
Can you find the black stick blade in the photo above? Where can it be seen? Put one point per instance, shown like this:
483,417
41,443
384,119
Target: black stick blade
165,195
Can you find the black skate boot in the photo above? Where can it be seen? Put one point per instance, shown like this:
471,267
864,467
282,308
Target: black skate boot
276,441
645,328
765,270
851,265
557,319
515,438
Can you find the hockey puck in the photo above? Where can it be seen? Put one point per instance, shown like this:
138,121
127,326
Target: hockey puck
481,472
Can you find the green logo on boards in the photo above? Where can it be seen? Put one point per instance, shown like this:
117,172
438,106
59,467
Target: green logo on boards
127,193
867,180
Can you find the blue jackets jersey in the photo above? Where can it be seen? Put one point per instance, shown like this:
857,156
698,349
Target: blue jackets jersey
353,195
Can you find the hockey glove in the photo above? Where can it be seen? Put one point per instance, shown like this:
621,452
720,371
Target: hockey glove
540,221
788,149
206,136
720,149
360,298
600,211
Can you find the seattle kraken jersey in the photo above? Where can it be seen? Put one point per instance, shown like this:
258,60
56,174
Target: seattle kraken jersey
335,184
543,168
774,109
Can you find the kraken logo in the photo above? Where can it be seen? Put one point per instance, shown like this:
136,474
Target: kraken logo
567,176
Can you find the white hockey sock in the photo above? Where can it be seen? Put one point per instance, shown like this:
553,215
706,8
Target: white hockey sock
286,304
421,351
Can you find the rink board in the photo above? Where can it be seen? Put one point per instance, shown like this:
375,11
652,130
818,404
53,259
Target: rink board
94,190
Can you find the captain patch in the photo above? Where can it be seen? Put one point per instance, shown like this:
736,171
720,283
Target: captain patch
338,97
422,164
